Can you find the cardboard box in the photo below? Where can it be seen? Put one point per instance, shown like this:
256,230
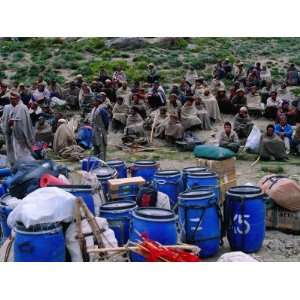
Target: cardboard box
122,187
226,171
221,167
226,182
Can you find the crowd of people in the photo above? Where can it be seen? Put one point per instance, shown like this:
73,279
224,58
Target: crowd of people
109,102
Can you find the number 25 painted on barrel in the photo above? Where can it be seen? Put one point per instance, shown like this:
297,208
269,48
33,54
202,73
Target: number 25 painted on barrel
238,220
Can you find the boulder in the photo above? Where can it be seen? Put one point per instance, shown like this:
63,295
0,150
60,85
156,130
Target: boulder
128,43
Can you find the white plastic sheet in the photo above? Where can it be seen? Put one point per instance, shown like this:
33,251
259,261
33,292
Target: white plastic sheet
45,205
253,140
11,202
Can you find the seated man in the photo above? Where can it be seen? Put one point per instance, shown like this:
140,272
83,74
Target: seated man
156,96
254,103
41,93
271,146
212,106
174,129
174,105
289,111
285,132
120,113
71,95
139,105
64,143
229,139
265,76
189,115
284,94
202,114
43,131
239,100
273,103
224,102
125,92
160,119
242,123
293,75
85,135
134,123
296,141
153,74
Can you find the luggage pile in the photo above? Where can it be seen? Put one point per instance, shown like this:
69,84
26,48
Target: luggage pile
109,211
283,204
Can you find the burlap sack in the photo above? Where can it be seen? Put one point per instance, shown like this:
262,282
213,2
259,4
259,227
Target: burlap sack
283,191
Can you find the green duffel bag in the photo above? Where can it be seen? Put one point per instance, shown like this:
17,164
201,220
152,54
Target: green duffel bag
213,152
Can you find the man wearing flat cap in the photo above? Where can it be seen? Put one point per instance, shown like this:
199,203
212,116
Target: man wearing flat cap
17,129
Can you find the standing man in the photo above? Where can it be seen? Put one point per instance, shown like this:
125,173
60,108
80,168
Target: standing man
18,131
100,123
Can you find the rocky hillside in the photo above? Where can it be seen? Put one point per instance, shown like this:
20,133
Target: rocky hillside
25,58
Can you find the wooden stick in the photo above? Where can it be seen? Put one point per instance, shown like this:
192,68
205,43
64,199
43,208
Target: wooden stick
134,248
80,236
92,222
152,128
254,163
7,251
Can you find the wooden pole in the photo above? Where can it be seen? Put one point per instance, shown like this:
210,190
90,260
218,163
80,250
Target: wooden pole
192,248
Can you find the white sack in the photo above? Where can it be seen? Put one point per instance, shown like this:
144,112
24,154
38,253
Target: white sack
253,140
108,238
236,256
44,205
163,201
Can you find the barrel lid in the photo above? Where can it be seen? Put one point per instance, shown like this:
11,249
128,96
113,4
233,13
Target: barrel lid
244,190
104,171
203,174
196,194
145,162
37,227
154,213
118,205
115,162
194,170
91,158
72,186
167,172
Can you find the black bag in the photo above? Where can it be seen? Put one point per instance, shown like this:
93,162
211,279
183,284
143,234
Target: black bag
146,196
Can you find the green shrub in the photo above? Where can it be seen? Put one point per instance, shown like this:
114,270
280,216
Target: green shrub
17,56
196,63
174,63
2,75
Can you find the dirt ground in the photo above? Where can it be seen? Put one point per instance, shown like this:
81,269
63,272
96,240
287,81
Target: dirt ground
277,246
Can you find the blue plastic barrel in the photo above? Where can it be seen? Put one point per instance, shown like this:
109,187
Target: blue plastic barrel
5,172
39,243
120,166
83,191
118,215
104,174
244,213
5,230
207,179
190,170
169,182
2,190
157,223
90,163
199,221
145,169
